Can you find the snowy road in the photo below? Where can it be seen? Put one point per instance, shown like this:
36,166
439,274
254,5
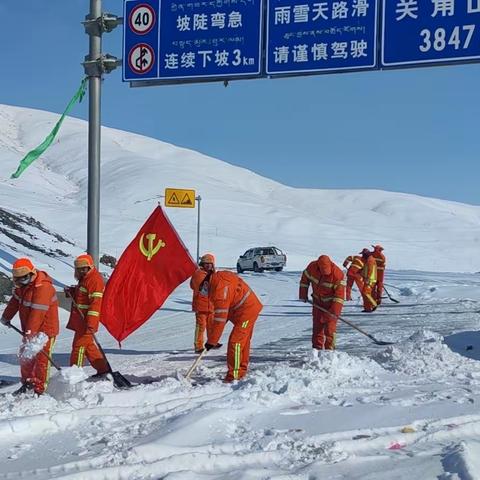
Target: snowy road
362,412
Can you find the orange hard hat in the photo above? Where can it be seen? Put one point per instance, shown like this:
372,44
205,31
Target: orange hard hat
84,260
207,258
324,264
22,266
378,247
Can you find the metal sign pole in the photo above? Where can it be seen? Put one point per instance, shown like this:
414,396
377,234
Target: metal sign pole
199,199
94,137
95,65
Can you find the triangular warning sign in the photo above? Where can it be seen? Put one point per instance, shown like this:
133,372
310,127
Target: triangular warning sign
174,199
186,200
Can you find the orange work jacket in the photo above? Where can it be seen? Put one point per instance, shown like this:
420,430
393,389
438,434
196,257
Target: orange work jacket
233,300
356,264
200,303
37,306
381,262
88,296
328,290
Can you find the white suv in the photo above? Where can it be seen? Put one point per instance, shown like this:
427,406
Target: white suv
262,258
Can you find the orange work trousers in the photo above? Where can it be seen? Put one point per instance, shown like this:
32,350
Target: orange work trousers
202,320
238,352
323,331
84,346
378,288
353,277
36,371
369,303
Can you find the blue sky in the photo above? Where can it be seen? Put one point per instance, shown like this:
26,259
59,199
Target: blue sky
413,130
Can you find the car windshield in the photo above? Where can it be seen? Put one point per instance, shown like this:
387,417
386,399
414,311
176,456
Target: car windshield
266,251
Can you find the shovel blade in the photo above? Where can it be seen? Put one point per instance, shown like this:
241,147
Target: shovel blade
120,381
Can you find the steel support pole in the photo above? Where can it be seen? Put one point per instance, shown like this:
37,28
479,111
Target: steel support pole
199,199
94,125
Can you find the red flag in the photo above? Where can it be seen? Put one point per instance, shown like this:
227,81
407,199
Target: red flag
151,267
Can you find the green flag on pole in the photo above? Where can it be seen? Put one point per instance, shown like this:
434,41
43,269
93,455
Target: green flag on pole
31,156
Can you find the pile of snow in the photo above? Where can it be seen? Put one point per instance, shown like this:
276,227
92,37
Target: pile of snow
32,346
425,353
331,378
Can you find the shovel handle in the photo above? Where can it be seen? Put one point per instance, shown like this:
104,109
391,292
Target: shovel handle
195,363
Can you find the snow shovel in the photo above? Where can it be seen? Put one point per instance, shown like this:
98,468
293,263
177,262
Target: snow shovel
195,364
43,352
118,379
371,337
389,296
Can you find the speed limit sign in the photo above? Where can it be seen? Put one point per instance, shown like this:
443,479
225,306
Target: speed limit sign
142,19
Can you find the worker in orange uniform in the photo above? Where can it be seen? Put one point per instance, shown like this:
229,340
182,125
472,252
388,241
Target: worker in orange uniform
381,263
35,300
85,314
354,274
233,300
328,287
369,274
200,304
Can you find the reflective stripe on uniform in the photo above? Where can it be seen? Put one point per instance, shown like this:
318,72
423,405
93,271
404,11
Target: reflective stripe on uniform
50,353
197,340
80,356
242,301
221,310
310,277
220,319
15,296
236,364
96,295
36,306
371,299
81,306
326,284
83,289
93,313
338,300
245,324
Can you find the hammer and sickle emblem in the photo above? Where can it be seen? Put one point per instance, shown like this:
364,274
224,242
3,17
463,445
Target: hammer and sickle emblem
151,250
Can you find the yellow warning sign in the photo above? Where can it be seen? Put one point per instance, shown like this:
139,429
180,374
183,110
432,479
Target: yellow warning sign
180,198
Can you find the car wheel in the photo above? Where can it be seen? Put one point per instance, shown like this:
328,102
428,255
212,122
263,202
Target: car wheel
239,268
256,268
279,269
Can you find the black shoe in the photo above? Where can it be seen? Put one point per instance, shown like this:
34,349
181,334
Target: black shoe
217,346
199,350
26,387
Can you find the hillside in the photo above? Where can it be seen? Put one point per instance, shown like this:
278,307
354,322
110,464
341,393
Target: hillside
240,209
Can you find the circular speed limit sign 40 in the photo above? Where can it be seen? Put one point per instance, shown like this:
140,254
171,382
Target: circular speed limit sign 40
142,19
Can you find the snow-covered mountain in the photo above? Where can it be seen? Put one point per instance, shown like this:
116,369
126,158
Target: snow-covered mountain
240,209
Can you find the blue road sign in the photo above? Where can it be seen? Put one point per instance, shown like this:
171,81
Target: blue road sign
317,36
188,39
434,31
